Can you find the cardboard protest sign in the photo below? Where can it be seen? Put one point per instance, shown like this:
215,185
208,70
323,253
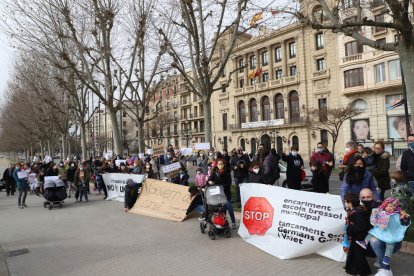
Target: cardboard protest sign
172,170
149,151
22,174
288,223
158,150
202,146
115,184
162,200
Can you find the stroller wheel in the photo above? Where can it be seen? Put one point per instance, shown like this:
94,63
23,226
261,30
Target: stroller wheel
44,204
211,235
202,228
227,233
50,206
60,205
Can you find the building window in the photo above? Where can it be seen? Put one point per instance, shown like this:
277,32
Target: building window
223,88
278,74
292,49
354,77
317,14
224,121
292,70
295,141
241,65
294,107
264,58
241,83
394,69
353,48
124,113
279,106
243,144
278,54
323,107
361,105
347,4
252,62
242,113
380,72
393,99
265,77
253,110
324,137
319,41
379,18
320,64
265,108
124,123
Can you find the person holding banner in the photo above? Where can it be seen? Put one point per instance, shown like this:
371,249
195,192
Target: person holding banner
221,176
22,185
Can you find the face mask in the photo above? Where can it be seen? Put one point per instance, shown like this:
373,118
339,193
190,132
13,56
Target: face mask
198,172
55,168
256,170
347,150
360,150
411,145
320,149
294,153
367,203
73,165
181,174
220,167
168,156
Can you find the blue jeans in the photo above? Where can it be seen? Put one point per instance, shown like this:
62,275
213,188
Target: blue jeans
200,208
239,181
231,212
379,249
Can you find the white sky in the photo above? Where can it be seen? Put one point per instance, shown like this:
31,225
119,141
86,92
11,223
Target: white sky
6,61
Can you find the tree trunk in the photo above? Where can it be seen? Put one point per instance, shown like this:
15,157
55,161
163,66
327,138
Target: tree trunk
64,149
407,63
49,149
83,141
115,132
207,120
141,142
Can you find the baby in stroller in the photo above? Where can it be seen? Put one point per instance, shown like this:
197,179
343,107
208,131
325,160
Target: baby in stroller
215,205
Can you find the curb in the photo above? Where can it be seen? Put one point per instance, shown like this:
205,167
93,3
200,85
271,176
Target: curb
407,247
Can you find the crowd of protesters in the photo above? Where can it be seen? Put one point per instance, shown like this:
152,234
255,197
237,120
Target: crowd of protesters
364,172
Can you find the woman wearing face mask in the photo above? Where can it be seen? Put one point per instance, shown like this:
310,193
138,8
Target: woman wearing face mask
320,177
381,168
255,173
294,166
202,161
52,170
221,176
357,178
71,176
148,171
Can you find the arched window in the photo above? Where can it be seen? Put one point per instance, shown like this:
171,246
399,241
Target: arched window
243,144
253,146
294,107
361,105
242,112
265,140
265,108
279,145
279,107
253,110
295,141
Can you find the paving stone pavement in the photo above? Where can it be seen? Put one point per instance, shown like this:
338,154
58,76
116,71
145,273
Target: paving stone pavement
98,238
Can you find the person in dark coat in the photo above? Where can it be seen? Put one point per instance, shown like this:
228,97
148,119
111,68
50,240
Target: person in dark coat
52,170
255,173
9,180
271,167
381,169
221,176
131,194
148,171
240,165
320,177
407,160
357,227
294,166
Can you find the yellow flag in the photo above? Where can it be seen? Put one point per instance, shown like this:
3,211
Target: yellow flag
252,74
256,18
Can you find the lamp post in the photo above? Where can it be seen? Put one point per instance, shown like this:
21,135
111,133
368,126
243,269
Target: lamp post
274,134
186,132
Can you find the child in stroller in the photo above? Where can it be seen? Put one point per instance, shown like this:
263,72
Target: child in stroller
215,205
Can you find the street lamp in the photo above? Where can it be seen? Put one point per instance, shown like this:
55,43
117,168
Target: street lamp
274,134
186,132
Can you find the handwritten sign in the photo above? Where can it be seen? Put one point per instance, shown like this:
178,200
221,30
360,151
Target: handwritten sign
118,162
202,146
171,167
162,200
115,184
187,151
22,174
158,150
51,178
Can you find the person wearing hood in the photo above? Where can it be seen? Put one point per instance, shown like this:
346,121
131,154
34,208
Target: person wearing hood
294,166
255,173
270,166
369,158
381,169
240,166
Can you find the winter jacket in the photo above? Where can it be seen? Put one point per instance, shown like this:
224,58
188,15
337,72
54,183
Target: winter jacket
271,168
323,157
200,180
256,177
320,181
407,165
367,182
202,161
21,183
293,170
8,175
380,172
71,174
131,195
223,179
240,166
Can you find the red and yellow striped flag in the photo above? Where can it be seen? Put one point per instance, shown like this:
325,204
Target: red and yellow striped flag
256,18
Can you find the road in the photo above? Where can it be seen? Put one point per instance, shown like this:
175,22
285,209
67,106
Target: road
98,238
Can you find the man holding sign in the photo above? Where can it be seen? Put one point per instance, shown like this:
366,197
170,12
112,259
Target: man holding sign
22,185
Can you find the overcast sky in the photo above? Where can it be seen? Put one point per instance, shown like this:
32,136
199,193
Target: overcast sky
6,61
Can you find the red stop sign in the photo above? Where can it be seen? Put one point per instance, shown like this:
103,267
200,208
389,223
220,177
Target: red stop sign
257,215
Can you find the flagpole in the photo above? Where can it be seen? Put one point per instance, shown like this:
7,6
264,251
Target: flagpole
407,117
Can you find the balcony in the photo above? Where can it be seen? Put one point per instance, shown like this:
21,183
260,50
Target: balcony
238,91
185,102
198,130
321,74
267,124
352,57
224,95
276,83
186,116
250,89
262,86
291,79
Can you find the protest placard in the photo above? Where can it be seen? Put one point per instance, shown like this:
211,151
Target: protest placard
22,174
162,200
158,150
115,184
149,151
51,178
171,167
187,151
119,161
202,146
288,223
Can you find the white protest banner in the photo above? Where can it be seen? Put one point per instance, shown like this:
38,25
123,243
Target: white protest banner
202,146
141,155
162,200
187,151
31,178
51,178
22,174
288,223
171,167
119,161
115,184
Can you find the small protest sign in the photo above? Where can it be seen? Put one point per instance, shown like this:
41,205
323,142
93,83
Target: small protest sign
202,146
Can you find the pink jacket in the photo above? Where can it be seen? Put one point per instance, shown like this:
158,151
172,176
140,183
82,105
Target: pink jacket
200,180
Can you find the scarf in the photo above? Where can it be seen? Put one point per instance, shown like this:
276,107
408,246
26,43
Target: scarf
393,201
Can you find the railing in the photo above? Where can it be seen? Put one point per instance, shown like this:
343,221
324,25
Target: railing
261,86
185,102
238,91
320,73
224,95
352,57
250,88
276,83
290,79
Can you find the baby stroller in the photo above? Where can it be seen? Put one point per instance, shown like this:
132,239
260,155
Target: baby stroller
215,203
54,193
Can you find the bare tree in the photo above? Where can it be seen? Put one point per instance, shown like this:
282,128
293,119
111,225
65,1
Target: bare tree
331,120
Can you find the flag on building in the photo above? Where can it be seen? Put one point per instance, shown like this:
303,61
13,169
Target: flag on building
252,74
397,104
258,72
274,12
256,18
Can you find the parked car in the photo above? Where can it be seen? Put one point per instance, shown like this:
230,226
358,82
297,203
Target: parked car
306,183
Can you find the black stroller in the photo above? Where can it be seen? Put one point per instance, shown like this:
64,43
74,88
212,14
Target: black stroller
215,204
54,193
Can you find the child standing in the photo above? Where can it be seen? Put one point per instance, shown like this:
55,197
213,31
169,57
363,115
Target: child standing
255,173
200,178
82,187
390,223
